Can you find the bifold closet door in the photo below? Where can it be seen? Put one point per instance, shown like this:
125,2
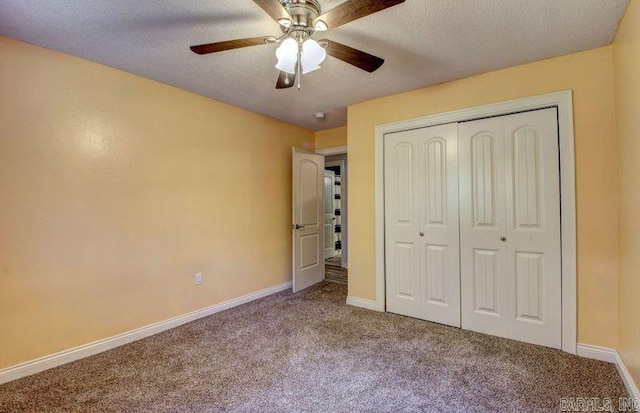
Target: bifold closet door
421,224
510,227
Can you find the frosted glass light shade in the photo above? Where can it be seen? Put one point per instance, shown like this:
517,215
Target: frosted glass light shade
312,55
320,26
287,55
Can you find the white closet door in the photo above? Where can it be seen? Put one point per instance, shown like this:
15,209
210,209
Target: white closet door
439,232
483,255
510,227
533,233
401,223
421,207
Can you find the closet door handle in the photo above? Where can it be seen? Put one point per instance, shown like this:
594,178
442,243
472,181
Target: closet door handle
422,234
503,239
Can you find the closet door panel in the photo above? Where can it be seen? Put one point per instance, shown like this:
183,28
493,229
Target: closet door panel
482,226
439,230
402,223
533,230
421,224
510,227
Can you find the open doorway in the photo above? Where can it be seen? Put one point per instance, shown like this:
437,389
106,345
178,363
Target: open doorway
336,207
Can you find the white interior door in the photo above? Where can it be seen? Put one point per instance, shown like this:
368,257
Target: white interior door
329,214
482,225
308,264
533,231
510,227
421,224
401,223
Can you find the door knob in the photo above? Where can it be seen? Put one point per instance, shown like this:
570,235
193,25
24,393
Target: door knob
300,227
503,239
422,234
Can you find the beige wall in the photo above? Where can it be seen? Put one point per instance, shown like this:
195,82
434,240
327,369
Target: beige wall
115,190
331,137
589,75
626,66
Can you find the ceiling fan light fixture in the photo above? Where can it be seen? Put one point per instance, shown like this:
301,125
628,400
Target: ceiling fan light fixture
299,20
284,22
312,55
320,26
287,55
309,69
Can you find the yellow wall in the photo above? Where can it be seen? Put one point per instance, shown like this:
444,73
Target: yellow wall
626,66
115,190
331,137
589,75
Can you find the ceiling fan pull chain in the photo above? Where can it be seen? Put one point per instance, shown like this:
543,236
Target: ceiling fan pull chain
299,66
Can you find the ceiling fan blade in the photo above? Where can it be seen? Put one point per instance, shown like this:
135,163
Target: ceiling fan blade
274,9
358,58
285,80
354,9
229,45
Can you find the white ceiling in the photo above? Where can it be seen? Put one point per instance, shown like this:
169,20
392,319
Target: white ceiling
424,42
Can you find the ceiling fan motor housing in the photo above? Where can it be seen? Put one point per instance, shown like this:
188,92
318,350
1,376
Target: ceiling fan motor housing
303,12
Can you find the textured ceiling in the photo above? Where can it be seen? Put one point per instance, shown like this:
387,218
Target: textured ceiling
424,42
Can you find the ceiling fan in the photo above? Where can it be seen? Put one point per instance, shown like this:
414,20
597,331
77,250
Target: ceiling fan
298,53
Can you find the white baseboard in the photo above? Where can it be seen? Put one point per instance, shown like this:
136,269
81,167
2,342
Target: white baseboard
361,302
612,356
54,360
596,352
76,353
626,377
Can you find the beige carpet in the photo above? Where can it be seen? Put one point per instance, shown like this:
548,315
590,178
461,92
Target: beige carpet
311,352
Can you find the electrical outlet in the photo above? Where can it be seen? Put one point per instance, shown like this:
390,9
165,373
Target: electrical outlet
198,278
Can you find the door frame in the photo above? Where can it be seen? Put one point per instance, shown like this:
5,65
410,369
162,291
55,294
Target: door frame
563,100
344,207
327,173
344,176
334,150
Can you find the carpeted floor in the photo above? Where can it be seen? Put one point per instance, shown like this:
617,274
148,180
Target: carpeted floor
311,352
